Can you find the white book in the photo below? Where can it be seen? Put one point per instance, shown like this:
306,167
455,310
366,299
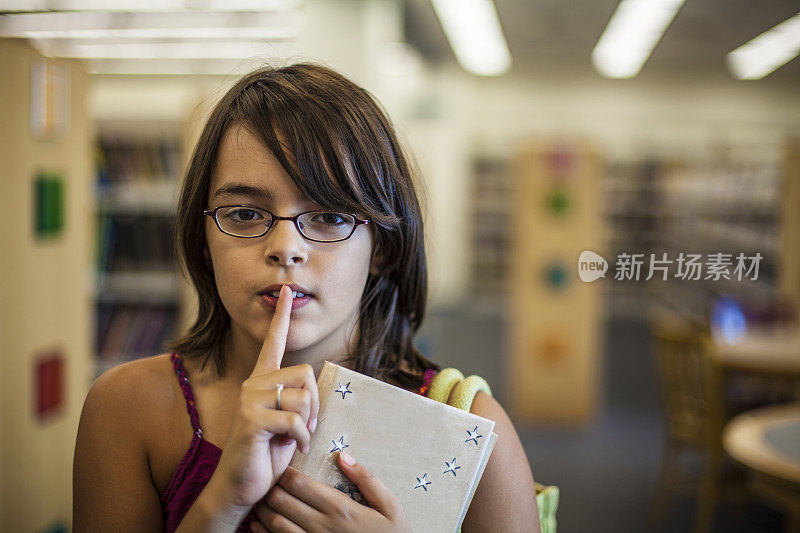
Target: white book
429,454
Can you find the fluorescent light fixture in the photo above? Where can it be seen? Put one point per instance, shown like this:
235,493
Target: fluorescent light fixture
770,50
231,33
171,50
186,25
183,67
149,5
633,31
475,35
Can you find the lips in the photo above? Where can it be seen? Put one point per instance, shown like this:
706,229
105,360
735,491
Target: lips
276,287
300,297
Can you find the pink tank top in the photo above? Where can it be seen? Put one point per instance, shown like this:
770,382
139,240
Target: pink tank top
195,469
198,464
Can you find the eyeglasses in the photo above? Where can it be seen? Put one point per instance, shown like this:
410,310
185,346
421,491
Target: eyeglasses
246,221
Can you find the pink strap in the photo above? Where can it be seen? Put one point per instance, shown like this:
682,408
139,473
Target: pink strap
183,381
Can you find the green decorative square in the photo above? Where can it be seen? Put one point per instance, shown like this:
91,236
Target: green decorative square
48,204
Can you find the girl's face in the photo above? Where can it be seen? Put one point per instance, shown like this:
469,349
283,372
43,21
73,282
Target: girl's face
334,274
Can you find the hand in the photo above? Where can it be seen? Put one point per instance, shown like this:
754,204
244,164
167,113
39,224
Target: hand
263,439
301,503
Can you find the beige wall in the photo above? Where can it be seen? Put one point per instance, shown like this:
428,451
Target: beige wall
680,115
44,299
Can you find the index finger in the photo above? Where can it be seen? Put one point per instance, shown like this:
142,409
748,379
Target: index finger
320,496
271,355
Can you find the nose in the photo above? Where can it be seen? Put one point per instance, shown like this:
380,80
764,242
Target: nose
285,245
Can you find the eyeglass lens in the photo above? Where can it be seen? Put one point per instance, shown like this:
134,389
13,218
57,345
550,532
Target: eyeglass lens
318,225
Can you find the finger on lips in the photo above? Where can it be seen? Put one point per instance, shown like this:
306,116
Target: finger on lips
271,355
267,373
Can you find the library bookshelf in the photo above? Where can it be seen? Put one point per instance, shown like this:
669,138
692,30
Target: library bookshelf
137,289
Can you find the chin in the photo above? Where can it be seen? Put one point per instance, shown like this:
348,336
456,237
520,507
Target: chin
296,341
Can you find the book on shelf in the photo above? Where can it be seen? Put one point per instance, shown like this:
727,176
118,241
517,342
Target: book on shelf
429,454
103,315
151,330
134,331
129,331
136,310
105,246
135,242
111,340
129,160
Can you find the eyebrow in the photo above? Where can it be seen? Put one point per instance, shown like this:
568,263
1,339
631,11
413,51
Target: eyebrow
240,189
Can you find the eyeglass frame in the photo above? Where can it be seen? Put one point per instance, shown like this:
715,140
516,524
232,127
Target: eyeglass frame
275,218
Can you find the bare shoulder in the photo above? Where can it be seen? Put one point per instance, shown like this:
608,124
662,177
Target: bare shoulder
506,496
135,391
139,379
112,487
486,406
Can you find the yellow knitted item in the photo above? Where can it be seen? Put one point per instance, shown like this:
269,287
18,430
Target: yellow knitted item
443,384
547,501
464,392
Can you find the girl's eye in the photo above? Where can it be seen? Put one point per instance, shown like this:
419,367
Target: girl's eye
329,218
243,214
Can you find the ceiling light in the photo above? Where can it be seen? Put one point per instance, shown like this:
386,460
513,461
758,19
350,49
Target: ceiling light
258,33
177,50
149,5
475,35
181,67
770,50
187,25
633,31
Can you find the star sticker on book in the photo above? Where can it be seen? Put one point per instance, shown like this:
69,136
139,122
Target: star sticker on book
422,482
344,389
473,435
339,445
451,467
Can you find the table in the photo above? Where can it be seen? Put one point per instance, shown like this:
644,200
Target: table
774,352
767,442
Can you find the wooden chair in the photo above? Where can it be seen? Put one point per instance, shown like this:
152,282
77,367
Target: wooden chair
694,414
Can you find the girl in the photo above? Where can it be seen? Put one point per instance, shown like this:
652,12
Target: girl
301,230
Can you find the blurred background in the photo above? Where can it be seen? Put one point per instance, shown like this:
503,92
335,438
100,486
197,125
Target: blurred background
612,200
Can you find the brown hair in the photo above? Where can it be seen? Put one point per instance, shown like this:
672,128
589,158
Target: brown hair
343,154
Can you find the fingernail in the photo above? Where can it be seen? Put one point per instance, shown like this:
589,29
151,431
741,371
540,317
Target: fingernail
313,425
346,459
